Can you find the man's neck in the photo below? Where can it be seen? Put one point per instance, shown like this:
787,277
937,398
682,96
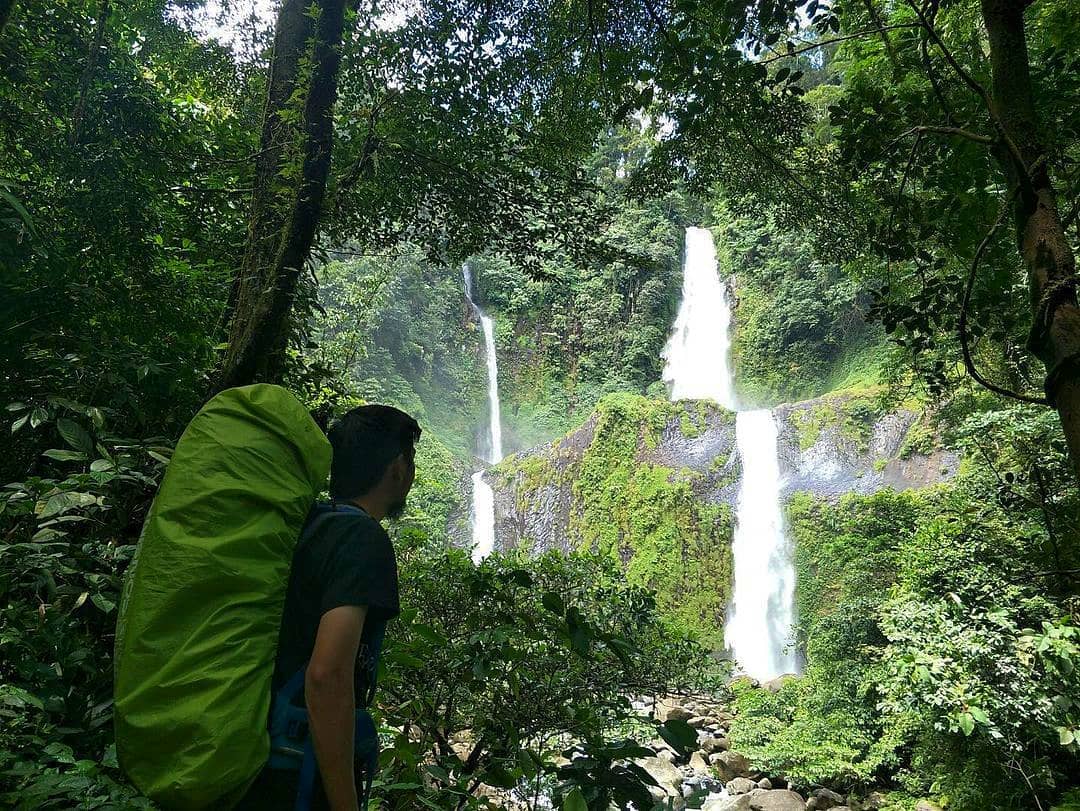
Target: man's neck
370,504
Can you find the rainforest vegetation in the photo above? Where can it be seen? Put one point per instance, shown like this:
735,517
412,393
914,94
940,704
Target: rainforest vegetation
194,197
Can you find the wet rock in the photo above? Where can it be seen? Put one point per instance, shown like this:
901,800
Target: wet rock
741,785
777,800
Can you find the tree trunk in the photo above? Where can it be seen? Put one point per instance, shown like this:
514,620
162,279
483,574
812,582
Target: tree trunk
1041,239
6,7
290,182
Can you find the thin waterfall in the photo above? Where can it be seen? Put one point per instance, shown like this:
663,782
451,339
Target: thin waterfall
483,506
698,366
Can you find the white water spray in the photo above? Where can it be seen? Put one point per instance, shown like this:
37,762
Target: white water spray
483,508
696,356
697,366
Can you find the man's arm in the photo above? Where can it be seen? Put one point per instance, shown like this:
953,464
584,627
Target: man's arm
331,705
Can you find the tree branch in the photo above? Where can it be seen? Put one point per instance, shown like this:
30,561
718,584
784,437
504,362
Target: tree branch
969,362
822,43
969,80
957,131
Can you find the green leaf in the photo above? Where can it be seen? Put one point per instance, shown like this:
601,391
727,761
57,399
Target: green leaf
38,416
19,423
75,435
1066,736
967,723
61,455
104,603
553,603
979,715
575,801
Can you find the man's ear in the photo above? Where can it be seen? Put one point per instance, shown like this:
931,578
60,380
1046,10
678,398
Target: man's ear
399,468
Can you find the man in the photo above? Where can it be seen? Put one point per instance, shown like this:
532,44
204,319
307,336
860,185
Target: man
342,590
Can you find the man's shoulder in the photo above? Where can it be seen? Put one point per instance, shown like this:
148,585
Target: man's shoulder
327,527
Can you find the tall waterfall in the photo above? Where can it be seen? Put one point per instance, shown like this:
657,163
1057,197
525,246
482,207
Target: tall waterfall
483,507
697,366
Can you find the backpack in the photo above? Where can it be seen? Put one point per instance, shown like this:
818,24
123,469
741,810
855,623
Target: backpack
201,609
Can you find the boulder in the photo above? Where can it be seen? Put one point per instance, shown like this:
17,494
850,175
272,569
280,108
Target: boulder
740,803
774,685
926,805
823,799
740,785
765,783
711,745
698,762
676,713
667,775
874,801
777,800
696,721
730,765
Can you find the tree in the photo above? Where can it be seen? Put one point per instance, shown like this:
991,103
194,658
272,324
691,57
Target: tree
292,167
889,66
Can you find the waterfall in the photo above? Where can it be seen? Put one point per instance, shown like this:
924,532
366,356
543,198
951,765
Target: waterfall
483,507
697,366
760,619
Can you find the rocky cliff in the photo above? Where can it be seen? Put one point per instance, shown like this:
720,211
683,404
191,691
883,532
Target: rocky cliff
655,483
827,446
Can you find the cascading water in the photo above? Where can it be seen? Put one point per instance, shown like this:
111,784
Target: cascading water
483,507
697,366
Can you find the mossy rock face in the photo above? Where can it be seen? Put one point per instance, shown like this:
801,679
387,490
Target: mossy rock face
852,442
645,480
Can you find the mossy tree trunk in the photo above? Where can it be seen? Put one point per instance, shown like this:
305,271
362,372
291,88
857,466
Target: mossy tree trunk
290,183
1040,236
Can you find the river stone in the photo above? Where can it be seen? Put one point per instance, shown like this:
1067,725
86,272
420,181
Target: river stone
664,773
712,745
823,799
740,803
675,713
777,800
774,685
698,762
765,783
730,765
874,801
740,785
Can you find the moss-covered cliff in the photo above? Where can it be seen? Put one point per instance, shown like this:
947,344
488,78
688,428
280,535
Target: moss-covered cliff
647,481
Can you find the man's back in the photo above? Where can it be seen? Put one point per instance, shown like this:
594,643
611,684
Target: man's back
344,558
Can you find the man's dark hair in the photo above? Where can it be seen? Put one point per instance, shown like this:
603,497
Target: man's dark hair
365,441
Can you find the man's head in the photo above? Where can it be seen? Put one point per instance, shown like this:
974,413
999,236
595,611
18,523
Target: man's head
373,462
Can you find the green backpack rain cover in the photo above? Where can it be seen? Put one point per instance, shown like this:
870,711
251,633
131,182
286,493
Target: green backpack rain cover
201,609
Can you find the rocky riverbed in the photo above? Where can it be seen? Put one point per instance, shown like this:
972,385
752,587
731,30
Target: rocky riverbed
716,778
